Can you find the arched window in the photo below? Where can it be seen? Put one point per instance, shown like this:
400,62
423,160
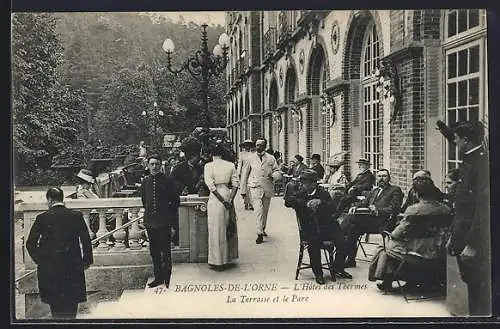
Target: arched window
317,82
247,104
466,67
372,110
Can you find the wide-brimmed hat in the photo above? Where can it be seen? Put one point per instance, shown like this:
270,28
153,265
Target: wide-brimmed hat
309,174
364,161
86,175
334,162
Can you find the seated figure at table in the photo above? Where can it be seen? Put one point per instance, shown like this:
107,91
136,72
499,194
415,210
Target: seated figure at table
314,209
296,166
336,180
371,215
364,180
316,165
411,198
407,237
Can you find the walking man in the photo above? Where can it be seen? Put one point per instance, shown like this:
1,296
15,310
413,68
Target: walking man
160,198
247,146
258,176
54,244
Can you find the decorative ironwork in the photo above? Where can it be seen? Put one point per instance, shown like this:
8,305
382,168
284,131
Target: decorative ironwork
301,61
335,37
328,107
278,122
281,76
388,84
284,26
297,115
270,42
202,65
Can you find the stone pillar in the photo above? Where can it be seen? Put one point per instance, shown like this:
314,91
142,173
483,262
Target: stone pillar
86,217
135,232
103,246
119,235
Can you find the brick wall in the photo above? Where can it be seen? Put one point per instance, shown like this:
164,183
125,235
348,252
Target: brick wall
430,26
397,28
255,41
407,132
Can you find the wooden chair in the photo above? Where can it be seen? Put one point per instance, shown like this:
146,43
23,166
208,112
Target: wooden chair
428,227
328,248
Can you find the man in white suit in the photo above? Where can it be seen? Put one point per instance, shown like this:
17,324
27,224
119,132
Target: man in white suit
258,176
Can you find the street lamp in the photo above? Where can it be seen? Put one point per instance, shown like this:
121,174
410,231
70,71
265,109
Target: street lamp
202,65
155,116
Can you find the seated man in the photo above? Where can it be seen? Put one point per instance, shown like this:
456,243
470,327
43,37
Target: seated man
411,199
314,209
360,186
407,236
381,205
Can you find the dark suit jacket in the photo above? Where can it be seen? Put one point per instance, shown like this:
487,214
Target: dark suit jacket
388,202
363,182
319,169
54,244
471,225
161,204
321,224
295,171
187,176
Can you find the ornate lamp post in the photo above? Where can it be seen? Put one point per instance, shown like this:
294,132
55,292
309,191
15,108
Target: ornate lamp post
154,117
202,65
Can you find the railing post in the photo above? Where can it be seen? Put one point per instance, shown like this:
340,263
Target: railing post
86,217
119,235
134,233
103,246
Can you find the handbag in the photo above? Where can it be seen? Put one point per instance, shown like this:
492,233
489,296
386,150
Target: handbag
231,225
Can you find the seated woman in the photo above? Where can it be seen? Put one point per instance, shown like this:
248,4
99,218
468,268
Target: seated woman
407,239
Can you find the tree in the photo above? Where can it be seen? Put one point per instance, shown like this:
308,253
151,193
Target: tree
45,113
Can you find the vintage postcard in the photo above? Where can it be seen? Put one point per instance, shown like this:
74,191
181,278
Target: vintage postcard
289,164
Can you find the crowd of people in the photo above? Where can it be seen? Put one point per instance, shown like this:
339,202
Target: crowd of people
328,207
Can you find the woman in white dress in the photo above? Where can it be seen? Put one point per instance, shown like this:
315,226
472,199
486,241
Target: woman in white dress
222,180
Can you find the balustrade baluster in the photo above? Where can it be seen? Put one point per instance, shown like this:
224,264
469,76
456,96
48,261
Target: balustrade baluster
135,232
86,217
103,246
119,235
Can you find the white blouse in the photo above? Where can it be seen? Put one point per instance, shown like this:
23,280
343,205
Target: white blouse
219,172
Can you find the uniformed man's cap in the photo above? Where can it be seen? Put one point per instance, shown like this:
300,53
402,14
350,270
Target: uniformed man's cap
309,175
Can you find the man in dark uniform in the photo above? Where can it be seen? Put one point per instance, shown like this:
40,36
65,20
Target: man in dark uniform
316,165
54,244
187,175
160,198
314,209
470,231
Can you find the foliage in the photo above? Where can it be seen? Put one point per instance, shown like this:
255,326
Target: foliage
81,78
46,114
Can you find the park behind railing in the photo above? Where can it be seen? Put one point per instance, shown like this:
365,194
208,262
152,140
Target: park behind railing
121,261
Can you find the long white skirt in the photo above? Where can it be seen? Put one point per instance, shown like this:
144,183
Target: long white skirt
220,250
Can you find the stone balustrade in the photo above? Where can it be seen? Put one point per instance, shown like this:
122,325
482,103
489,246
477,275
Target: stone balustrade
121,262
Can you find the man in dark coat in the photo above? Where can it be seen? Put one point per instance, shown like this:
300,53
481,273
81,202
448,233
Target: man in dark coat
316,165
381,205
470,231
314,209
187,174
54,244
160,198
364,181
